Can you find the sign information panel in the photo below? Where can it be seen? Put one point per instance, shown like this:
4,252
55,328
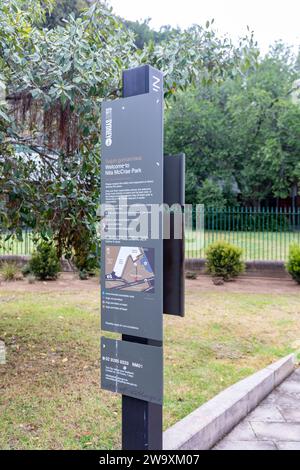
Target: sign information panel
131,192
127,368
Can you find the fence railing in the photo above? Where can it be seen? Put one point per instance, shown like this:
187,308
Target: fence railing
264,234
17,247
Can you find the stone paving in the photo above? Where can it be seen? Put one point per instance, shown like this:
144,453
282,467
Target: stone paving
273,425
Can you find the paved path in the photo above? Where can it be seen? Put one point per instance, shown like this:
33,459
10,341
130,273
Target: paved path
273,425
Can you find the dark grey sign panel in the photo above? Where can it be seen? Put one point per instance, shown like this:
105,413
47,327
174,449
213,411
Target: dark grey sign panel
174,266
132,167
134,370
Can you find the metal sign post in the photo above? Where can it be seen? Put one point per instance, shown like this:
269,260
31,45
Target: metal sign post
132,269
132,274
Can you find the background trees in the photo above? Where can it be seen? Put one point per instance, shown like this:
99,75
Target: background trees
241,138
54,77
62,9
232,114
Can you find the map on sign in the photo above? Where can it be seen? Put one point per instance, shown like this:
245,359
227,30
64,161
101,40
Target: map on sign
129,268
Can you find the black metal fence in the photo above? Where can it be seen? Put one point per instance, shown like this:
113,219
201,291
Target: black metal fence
264,234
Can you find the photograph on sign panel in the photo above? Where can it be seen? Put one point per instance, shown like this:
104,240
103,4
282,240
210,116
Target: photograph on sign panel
129,268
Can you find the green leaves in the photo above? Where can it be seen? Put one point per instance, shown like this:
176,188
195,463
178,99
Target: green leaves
293,264
56,79
224,260
243,135
4,116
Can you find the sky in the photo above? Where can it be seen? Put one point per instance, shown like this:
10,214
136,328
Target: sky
269,19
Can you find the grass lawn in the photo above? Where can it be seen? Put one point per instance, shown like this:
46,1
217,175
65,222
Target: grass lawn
49,388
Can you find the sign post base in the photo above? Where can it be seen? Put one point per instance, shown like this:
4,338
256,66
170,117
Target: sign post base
141,425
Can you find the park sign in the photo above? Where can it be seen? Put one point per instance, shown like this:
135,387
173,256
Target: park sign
134,247
131,186
132,369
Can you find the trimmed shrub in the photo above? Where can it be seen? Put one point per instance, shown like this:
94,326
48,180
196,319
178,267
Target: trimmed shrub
10,271
44,263
224,260
293,264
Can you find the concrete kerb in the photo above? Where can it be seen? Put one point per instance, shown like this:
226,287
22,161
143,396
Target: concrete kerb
203,428
268,269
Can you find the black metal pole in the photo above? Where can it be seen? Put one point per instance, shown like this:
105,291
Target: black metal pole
142,422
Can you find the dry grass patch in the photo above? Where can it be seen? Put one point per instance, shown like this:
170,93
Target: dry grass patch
49,389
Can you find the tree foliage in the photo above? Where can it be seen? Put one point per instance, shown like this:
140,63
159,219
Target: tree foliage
55,80
145,35
63,9
242,136
44,263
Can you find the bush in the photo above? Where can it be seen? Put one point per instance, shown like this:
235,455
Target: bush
224,260
293,264
83,275
10,272
44,263
84,253
86,261
26,271
191,275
